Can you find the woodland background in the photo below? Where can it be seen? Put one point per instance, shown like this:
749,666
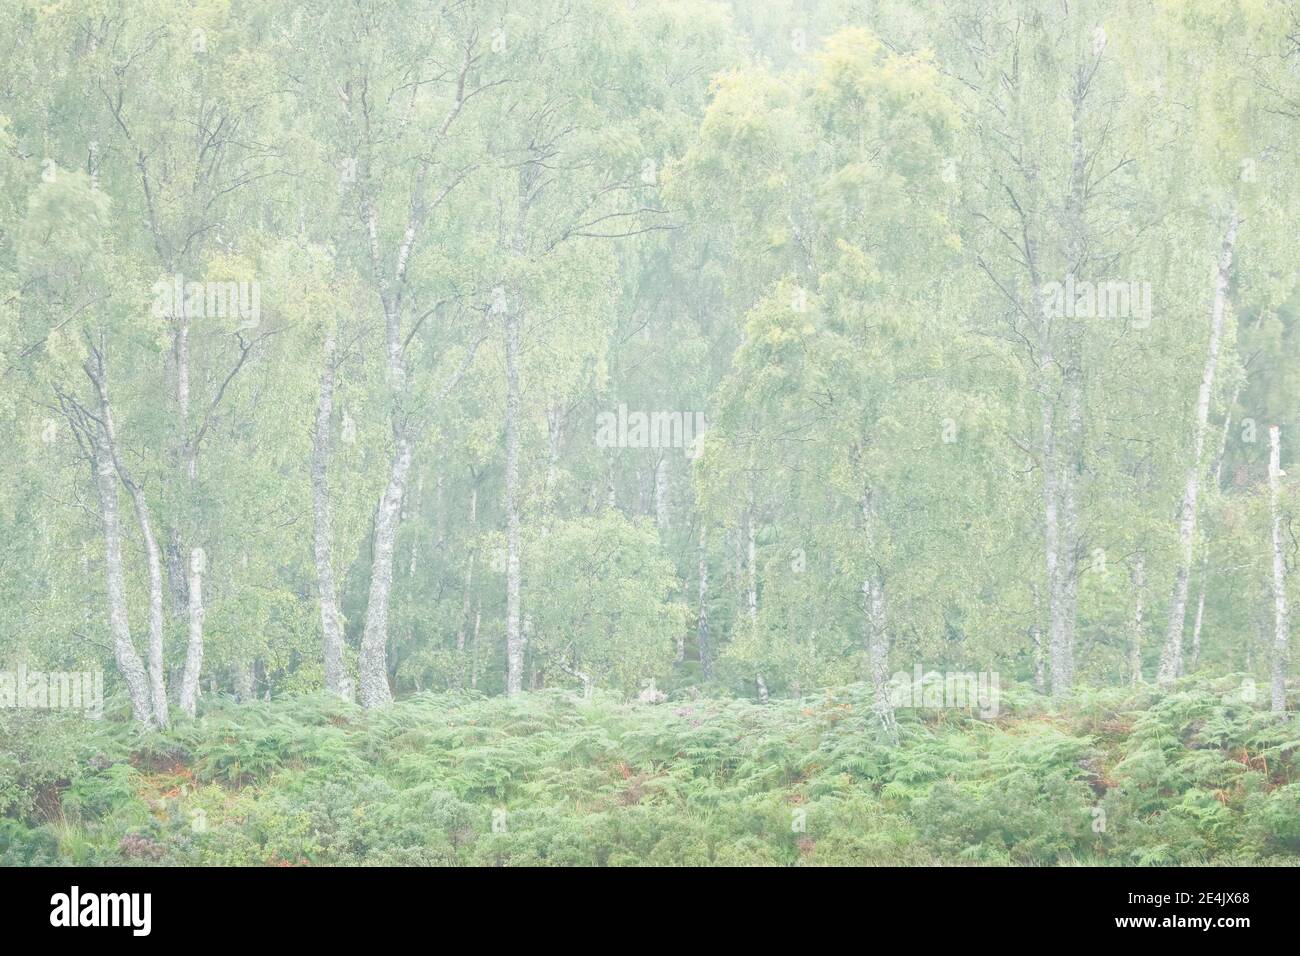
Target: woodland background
834,231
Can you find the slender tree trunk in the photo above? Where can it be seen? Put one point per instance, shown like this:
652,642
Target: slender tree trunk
128,660
178,596
1072,478
702,622
1058,637
1139,582
877,633
243,679
1172,653
662,517
1281,624
157,678
194,566
469,571
331,628
194,648
611,488
555,421
1204,575
878,655
1199,619
474,647
514,636
372,663
751,589
1036,635
751,577
373,659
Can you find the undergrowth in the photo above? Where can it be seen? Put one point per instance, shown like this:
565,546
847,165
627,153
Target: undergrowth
1196,775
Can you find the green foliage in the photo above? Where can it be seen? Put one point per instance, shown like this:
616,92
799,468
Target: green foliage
821,232
459,779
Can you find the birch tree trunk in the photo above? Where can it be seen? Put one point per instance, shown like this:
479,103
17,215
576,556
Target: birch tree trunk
1281,625
877,633
372,662
702,622
1072,476
662,517
1199,619
469,571
1205,551
331,628
1058,637
178,599
878,655
1172,653
373,659
157,679
1139,580
157,682
194,649
474,650
1036,635
243,679
514,637
124,652
751,590
751,576
194,566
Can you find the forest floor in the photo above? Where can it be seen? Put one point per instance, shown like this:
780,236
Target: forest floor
1196,775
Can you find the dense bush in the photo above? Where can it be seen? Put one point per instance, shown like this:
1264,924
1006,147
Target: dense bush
1196,775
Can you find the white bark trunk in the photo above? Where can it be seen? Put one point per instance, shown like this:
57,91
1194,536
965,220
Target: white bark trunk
877,633
474,649
661,493
1195,656
372,662
128,660
514,637
1139,581
1036,635
373,659
702,623
194,649
1281,624
189,459
469,572
1205,551
878,655
751,576
1058,636
751,590
1072,477
331,628
1172,653
157,679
